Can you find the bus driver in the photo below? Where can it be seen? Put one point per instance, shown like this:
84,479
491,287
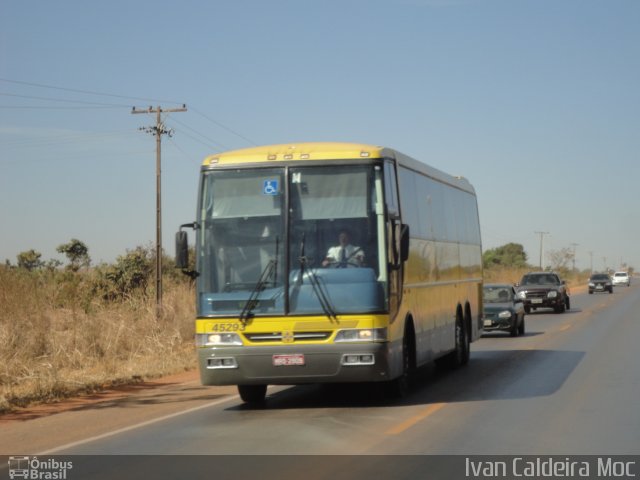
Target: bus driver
344,255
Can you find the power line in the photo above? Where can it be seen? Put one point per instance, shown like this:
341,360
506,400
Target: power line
201,135
48,99
63,138
206,144
225,127
86,92
42,107
186,156
98,105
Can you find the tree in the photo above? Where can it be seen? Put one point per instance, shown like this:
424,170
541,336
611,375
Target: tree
561,259
30,260
77,253
509,255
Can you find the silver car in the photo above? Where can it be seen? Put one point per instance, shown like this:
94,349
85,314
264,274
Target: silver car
621,278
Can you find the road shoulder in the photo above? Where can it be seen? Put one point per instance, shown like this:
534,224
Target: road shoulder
41,428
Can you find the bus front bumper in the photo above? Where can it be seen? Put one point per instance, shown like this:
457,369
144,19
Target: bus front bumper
299,364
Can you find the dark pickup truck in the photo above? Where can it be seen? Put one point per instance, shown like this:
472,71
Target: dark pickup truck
543,290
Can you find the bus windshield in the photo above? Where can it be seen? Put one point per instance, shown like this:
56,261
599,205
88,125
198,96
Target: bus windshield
302,240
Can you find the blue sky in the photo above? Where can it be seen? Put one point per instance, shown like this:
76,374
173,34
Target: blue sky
536,102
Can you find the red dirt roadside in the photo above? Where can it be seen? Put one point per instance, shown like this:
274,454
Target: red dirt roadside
36,429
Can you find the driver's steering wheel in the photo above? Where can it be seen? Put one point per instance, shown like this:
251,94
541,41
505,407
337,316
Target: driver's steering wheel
344,264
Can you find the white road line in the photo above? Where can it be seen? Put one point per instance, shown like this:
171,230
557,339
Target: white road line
138,425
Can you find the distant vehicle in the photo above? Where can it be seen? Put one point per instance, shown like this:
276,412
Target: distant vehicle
543,290
600,282
503,310
621,278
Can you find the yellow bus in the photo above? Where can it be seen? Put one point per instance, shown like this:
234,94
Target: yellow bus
280,302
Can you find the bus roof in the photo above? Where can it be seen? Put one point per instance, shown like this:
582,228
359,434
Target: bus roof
314,151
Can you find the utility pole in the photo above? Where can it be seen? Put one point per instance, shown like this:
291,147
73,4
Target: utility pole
542,234
573,255
158,130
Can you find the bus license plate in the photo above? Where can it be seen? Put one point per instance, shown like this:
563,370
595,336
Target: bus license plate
285,360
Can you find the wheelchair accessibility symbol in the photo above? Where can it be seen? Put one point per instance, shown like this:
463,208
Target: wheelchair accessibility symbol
270,187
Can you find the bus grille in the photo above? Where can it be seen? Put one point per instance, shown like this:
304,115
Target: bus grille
278,336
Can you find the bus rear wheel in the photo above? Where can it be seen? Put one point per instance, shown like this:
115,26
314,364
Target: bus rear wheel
460,355
253,394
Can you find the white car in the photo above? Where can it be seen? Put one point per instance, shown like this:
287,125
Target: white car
620,278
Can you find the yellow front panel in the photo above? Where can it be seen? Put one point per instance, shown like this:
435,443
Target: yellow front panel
284,328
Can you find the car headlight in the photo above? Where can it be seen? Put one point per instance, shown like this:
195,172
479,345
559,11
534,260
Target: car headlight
504,314
362,335
591,284
216,339
552,294
522,294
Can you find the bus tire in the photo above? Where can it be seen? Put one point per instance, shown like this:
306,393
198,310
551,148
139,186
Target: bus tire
521,327
463,337
400,387
253,394
513,331
460,355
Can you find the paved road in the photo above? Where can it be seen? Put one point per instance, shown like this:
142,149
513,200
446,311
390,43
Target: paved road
570,386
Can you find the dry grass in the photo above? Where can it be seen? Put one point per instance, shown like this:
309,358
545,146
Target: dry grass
513,275
56,342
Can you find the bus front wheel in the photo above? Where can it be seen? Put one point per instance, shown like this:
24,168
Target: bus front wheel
253,394
400,387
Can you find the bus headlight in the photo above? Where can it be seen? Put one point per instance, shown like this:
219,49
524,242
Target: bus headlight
362,335
216,339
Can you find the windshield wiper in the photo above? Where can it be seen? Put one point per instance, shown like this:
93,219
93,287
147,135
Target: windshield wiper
252,301
325,303
317,288
259,287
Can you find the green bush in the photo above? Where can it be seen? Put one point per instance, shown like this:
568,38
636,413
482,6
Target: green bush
128,275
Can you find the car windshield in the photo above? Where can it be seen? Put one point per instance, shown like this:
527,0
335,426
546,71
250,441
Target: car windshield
539,280
622,274
497,294
601,276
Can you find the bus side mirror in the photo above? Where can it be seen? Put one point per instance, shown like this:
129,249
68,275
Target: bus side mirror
404,243
182,250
